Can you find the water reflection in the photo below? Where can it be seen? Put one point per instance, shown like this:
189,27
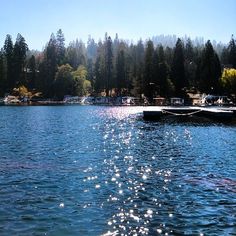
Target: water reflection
159,165
104,171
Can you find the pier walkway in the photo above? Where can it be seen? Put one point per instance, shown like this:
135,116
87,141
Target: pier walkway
221,113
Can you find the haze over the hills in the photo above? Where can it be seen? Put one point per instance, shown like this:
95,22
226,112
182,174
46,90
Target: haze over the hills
132,19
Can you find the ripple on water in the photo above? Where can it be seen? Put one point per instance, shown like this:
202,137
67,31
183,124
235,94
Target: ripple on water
86,170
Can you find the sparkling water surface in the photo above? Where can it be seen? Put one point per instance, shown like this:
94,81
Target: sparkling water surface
87,170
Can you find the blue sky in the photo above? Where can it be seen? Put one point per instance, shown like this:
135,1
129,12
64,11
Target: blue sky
131,19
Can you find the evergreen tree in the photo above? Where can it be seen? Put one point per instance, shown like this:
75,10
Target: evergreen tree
189,52
120,71
48,67
75,54
224,57
149,70
98,83
2,73
60,42
90,70
19,55
232,52
209,70
31,80
91,49
8,52
116,45
163,83
99,69
118,65
72,56
169,55
189,63
128,76
108,64
81,52
138,68
156,82
177,69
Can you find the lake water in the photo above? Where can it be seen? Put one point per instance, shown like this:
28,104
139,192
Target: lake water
87,170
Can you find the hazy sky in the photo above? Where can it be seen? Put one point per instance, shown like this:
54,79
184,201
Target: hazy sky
131,19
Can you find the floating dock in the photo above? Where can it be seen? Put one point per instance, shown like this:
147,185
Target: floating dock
217,113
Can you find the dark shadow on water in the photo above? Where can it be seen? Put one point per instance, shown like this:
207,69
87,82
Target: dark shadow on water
189,121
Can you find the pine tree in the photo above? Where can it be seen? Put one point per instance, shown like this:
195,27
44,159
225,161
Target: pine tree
91,49
163,71
209,70
98,83
232,52
31,72
90,70
8,52
189,52
138,68
81,52
149,70
99,69
2,73
156,82
108,63
224,58
60,42
19,55
177,69
189,63
120,71
48,67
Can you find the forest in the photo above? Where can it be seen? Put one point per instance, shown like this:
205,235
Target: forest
160,66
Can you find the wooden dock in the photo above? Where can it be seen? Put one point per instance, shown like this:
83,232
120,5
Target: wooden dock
217,113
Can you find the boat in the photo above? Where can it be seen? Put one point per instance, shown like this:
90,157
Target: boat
11,100
215,100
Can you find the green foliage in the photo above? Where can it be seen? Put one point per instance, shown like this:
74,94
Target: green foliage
3,79
178,70
164,87
120,71
116,67
31,75
210,70
99,83
90,76
60,42
80,73
75,54
228,81
19,55
108,64
48,67
8,52
232,52
63,83
82,85
138,54
149,69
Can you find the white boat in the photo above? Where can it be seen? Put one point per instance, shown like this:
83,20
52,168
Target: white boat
210,100
8,100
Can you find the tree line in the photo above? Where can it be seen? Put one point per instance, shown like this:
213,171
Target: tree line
117,68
